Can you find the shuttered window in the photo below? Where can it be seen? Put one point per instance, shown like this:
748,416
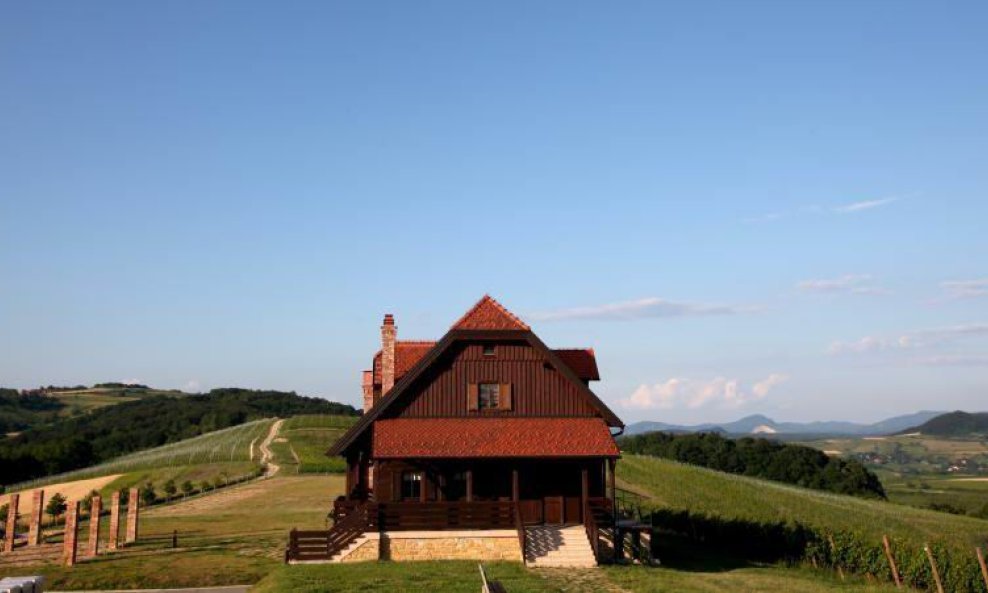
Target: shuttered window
489,396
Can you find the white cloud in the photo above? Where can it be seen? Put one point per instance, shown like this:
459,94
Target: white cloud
762,388
689,393
863,205
963,289
637,309
848,284
192,386
915,339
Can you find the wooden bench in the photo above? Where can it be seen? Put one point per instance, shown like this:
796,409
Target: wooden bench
489,586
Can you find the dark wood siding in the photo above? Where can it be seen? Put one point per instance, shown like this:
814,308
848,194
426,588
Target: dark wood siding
537,389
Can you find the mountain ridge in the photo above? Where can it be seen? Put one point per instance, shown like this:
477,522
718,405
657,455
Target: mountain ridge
761,424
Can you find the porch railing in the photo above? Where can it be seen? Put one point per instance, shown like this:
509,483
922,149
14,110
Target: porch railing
598,515
430,516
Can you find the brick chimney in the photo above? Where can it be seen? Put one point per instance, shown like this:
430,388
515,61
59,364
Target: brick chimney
368,387
389,335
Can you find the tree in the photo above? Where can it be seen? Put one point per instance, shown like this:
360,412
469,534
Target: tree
170,489
56,506
147,494
187,488
87,501
205,485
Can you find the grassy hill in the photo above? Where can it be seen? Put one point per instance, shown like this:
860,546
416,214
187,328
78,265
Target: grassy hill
110,432
672,485
233,449
954,424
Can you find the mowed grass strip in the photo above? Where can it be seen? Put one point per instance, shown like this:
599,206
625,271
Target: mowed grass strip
668,484
310,436
460,576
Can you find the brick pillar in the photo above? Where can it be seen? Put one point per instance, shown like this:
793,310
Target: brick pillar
111,543
92,546
8,545
37,512
133,501
71,538
389,335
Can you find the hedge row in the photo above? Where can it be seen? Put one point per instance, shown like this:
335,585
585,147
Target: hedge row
851,552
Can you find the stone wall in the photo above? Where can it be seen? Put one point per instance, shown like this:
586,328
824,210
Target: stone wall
366,551
451,545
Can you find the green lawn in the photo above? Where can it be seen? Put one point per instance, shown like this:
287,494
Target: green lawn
677,486
395,577
234,536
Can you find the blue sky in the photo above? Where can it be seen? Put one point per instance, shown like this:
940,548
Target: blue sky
744,207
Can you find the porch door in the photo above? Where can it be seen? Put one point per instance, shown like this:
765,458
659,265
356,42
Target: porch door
554,510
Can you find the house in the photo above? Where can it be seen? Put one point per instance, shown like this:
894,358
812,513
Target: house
484,431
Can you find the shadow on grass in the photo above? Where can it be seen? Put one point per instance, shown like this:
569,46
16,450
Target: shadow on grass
708,543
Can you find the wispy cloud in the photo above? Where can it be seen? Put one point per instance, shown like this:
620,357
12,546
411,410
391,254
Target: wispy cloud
955,360
636,309
690,393
863,205
965,289
817,209
911,340
849,283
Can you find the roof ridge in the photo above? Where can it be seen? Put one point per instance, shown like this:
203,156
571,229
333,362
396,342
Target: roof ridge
488,299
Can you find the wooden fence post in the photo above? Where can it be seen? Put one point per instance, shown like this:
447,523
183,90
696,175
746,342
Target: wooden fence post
833,550
888,554
984,569
933,566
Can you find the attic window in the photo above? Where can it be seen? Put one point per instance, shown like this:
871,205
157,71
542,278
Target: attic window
489,350
489,393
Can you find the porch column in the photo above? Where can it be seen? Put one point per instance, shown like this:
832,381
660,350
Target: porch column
515,490
469,485
424,487
585,488
610,469
442,486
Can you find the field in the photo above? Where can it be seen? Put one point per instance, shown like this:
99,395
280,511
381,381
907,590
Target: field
920,470
303,440
681,487
85,400
237,445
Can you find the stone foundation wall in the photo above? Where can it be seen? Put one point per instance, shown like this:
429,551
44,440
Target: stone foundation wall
367,551
451,545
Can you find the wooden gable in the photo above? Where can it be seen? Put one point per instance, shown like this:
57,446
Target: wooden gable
529,385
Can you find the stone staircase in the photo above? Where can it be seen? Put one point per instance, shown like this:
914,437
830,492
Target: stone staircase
558,546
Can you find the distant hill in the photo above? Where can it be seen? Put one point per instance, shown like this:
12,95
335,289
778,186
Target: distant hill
111,431
953,424
759,424
761,458
31,408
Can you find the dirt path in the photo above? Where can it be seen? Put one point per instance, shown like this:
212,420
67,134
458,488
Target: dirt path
266,455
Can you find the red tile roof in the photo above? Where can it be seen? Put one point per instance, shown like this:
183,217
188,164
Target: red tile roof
492,437
581,360
489,314
407,353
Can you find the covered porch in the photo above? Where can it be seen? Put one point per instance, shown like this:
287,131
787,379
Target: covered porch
544,490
